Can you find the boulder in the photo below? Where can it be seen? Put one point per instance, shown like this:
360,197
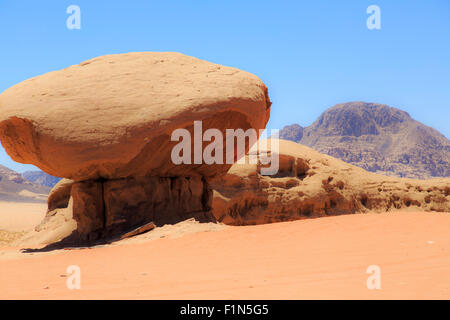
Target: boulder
112,116
106,126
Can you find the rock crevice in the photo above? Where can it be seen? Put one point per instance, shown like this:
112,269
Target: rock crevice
104,208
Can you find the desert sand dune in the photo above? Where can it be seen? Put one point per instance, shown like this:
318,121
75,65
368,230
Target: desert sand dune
313,259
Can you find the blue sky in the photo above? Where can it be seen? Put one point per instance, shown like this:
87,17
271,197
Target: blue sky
311,54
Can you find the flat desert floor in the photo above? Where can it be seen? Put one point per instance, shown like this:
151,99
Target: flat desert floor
16,216
325,258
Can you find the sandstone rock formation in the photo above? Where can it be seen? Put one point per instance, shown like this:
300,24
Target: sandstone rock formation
307,185
119,204
310,184
59,196
112,116
106,124
377,138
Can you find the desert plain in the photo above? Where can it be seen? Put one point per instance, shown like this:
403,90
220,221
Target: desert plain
322,258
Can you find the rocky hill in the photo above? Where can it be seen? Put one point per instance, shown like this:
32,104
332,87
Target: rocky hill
377,138
14,187
41,178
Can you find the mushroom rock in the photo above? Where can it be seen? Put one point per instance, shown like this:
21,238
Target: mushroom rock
309,184
107,124
112,116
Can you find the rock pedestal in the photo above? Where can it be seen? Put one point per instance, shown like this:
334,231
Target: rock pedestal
109,207
107,125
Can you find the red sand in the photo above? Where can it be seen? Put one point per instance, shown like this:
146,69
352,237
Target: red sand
323,258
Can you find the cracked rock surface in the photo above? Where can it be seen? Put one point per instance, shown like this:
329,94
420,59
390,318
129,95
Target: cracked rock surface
310,184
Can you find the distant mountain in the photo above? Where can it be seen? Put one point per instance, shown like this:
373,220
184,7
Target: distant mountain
42,178
14,187
378,138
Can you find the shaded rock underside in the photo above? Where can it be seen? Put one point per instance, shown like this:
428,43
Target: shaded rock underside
107,208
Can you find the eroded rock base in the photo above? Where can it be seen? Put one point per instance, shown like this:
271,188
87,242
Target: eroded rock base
107,208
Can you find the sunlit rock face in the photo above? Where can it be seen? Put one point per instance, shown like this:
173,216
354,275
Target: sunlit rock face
107,124
309,184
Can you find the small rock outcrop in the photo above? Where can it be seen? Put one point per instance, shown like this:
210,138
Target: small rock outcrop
309,184
59,196
106,125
